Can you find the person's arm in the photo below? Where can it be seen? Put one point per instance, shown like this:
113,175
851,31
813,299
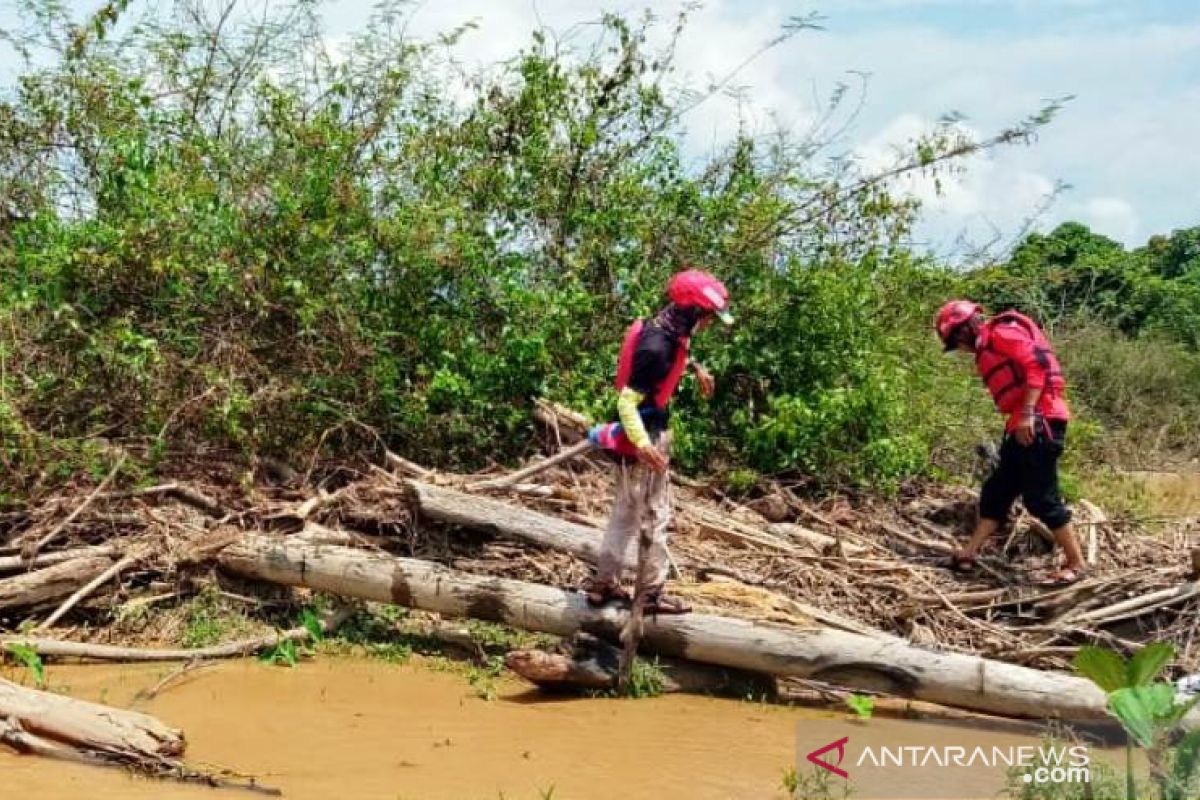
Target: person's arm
1018,345
704,378
635,429
631,420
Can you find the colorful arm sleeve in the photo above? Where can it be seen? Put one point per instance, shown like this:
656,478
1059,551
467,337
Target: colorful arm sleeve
631,420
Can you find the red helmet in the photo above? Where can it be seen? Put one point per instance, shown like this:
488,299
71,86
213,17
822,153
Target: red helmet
953,314
695,287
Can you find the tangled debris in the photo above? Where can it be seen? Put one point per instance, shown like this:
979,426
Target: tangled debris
859,562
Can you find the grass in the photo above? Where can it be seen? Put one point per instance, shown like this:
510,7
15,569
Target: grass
646,679
28,657
393,634
492,637
484,678
208,620
816,784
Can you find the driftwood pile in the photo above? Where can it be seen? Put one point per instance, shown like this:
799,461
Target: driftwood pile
849,591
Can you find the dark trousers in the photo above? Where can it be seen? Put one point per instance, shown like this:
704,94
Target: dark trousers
1031,473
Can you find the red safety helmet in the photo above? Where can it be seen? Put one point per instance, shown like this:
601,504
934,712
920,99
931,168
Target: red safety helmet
951,316
695,287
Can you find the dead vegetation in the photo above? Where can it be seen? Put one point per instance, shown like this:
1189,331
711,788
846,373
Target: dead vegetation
109,565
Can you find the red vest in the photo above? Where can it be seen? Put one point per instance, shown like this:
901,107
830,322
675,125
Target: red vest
611,436
669,384
1005,378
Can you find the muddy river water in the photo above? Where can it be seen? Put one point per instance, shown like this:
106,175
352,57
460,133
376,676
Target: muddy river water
343,729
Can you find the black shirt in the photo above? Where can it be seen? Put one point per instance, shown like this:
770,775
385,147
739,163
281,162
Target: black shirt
653,357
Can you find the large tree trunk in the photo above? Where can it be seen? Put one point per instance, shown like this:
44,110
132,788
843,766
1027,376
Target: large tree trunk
116,734
52,583
838,657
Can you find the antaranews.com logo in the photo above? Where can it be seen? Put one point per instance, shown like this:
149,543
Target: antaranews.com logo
902,759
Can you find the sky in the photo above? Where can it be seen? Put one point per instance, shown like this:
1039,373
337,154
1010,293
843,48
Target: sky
1128,144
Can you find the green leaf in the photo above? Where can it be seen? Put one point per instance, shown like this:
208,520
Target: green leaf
1140,708
310,622
1148,662
1102,667
862,705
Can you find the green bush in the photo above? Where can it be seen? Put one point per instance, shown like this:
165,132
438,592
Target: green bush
280,259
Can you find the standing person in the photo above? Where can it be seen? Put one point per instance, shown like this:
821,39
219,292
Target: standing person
1019,368
653,360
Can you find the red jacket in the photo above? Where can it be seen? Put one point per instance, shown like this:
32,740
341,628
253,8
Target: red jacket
1012,356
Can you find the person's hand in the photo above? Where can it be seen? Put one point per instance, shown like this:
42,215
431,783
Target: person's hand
1025,430
705,379
653,458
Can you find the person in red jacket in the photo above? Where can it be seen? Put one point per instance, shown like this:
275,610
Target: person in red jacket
1022,373
654,358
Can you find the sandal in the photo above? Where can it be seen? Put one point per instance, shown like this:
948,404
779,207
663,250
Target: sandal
1065,576
599,595
659,603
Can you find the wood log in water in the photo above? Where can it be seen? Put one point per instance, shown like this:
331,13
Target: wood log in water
90,729
890,666
592,664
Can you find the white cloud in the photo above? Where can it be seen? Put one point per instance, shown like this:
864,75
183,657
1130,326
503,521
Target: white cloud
981,200
1111,216
1127,144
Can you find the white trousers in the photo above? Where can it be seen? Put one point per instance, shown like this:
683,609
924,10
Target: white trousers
641,494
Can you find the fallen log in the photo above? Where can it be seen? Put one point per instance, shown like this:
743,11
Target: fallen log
184,494
592,665
837,657
406,467
56,648
53,726
504,520
901,708
1136,606
112,734
736,533
17,563
52,583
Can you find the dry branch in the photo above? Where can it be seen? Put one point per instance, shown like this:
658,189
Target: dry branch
85,590
31,548
577,449
55,648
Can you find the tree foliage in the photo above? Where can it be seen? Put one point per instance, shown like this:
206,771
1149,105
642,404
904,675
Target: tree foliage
212,227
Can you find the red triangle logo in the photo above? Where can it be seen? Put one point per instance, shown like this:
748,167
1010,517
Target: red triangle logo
840,746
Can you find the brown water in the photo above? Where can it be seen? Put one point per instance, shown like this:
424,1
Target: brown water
349,729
